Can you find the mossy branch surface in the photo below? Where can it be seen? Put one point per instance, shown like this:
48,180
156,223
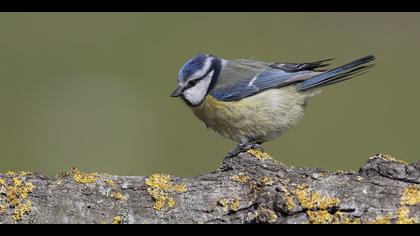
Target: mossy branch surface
247,188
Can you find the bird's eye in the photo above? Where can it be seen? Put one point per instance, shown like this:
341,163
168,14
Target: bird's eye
192,83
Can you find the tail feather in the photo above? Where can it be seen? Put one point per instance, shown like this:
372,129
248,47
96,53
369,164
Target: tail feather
338,74
347,76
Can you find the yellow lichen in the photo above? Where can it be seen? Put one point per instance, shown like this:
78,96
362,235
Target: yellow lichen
388,157
2,182
314,200
29,187
160,188
321,174
224,203
325,217
171,202
19,173
21,210
84,178
163,182
342,218
24,173
241,178
117,220
110,182
160,199
316,204
2,208
234,205
403,214
268,214
259,154
351,221
266,181
16,193
382,220
17,182
118,196
359,178
319,217
230,205
290,203
411,196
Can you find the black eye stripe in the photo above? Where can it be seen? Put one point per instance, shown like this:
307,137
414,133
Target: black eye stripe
193,82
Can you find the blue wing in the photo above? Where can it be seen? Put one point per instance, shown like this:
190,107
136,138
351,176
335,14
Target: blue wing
271,78
289,73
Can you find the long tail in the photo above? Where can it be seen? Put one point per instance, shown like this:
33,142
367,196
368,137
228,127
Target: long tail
338,74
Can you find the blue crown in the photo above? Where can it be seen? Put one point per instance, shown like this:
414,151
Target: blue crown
191,66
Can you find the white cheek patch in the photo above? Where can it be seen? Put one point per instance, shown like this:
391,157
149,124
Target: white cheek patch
196,94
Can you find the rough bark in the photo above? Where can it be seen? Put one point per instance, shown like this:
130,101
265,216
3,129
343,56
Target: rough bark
248,188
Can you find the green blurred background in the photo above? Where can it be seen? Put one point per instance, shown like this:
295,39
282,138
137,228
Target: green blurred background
91,90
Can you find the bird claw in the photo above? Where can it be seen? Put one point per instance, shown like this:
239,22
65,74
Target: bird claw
244,147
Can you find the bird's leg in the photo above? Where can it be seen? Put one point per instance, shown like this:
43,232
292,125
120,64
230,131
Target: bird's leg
243,147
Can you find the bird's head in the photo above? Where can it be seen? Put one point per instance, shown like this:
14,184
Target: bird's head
196,77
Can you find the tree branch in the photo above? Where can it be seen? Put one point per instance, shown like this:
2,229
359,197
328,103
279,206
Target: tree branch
248,188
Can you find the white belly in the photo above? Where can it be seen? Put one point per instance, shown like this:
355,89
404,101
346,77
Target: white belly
258,118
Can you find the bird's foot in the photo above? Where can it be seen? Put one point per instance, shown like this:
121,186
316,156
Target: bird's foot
246,147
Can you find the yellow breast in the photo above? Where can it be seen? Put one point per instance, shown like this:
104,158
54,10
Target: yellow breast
261,117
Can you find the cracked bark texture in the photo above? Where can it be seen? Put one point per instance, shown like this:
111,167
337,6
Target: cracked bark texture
247,188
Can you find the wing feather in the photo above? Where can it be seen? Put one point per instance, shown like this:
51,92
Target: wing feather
267,79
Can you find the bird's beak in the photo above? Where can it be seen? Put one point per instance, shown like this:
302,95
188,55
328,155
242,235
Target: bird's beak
177,92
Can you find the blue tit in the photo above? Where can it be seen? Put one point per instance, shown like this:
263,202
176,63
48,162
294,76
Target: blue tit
250,101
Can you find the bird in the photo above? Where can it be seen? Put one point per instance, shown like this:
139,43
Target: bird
252,102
